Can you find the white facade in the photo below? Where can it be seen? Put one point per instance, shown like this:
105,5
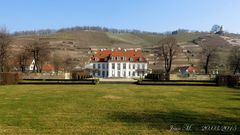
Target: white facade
119,69
31,67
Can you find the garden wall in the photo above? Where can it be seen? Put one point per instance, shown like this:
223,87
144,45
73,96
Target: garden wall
195,77
46,76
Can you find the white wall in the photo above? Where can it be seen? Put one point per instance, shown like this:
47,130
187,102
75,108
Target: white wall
109,72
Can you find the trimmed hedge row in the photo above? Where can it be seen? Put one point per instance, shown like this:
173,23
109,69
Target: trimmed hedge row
9,78
156,77
59,81
228,80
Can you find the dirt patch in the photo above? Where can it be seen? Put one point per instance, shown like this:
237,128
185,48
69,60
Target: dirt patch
112,97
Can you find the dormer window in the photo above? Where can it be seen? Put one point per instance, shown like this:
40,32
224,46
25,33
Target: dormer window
118,58
96,59
113,58
131,59
105,59
124,58
140,59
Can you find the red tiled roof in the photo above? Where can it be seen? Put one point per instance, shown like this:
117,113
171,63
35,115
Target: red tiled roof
47,67
189,69
124,55
192,69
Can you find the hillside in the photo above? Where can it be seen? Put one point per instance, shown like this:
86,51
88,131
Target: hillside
76,44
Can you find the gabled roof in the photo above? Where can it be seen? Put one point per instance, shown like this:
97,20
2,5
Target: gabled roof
189,69
118,55
47,67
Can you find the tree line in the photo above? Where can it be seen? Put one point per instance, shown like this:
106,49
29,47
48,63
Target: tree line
43,32
46,32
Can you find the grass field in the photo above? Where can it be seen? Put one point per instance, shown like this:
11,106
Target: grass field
117,109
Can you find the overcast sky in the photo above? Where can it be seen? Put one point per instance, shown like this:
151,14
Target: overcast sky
147,15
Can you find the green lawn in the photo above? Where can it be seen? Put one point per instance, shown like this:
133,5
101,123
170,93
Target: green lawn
115,109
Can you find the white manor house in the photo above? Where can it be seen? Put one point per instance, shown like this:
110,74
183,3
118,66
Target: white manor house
118,63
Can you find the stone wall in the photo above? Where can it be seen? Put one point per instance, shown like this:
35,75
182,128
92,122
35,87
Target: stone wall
195,77
46,76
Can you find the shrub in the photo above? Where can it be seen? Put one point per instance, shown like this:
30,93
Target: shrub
227,80
156,77
79,75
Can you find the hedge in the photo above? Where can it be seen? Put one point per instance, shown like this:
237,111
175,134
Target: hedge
9,78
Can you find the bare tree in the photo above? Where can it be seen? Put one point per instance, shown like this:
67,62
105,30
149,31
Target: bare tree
209,53
67,63
40,53
58,62
5,40
167,50
22,59
234,60
215,28
142,72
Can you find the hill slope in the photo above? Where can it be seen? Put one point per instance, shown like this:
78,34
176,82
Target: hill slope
77,44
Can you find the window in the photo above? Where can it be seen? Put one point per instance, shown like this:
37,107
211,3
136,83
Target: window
124,65
118,66
131,59
129,73
129,66
96,59
103,66
113,58
143,66
133,66
99,73
140,59
124,74
139,66
133,73
119,74
124,58
99,66
94,66
113,65
105,59
113,73
103,73
118,58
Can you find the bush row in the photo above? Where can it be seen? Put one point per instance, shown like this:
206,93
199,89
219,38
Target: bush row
9,78
156,76
228,80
